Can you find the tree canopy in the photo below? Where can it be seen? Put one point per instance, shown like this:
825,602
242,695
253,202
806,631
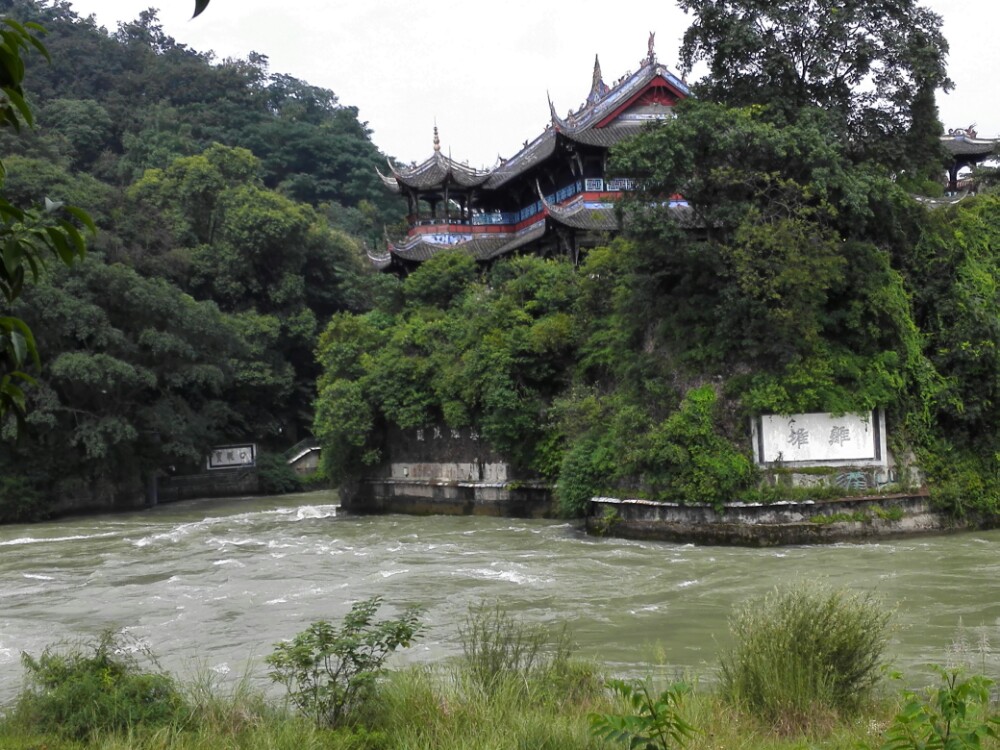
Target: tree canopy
223,250
874,65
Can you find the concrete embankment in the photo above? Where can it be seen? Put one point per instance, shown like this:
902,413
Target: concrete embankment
782,523
854,519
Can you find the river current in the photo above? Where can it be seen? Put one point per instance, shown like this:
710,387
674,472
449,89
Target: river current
212,585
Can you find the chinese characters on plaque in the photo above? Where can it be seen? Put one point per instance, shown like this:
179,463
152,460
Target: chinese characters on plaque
819,438
437,433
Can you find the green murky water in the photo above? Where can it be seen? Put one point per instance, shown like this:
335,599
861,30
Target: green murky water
212,585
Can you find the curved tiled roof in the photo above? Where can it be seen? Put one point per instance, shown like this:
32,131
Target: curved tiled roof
963,145
381,261
606,137
535,152
618,95
578,215
480,248
579,127
437,171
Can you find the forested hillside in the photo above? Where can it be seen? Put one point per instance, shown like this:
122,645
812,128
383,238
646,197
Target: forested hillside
807,277
232,204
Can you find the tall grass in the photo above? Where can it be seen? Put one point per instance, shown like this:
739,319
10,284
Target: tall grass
497,649
804,654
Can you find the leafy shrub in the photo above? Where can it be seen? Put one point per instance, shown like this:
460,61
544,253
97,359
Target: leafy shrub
330,671
690,461
655,722
276,476
20,500
316,480
77,693
803,650
955,716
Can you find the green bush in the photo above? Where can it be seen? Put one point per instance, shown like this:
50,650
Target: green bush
690,461
276,476
102,689
955,716
804,651
20,500
330,671
655,722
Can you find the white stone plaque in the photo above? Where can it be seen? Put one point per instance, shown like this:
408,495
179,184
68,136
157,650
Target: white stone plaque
820,439
232,456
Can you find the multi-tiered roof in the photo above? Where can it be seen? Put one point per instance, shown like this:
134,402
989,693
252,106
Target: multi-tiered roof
551,196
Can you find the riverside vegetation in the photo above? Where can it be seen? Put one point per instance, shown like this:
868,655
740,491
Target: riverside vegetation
787,683
226,296
808,276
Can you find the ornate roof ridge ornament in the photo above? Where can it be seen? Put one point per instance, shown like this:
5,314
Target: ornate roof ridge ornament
651,49
598,88
437,139
557,122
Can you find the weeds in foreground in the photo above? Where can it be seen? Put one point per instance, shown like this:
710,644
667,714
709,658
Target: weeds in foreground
655,722
97,688
497,649
954,716
805,652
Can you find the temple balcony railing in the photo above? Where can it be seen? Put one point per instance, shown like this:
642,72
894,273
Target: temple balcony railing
509,220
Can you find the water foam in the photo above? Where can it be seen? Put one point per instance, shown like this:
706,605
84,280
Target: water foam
316,511
46,540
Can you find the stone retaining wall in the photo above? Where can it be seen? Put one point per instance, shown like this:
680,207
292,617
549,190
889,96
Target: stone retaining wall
774,524
445,497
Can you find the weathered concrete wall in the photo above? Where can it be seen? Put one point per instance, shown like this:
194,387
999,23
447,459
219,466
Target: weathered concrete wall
437,470
441,497
232,483
774,524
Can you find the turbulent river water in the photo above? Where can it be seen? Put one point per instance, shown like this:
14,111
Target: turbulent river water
212,585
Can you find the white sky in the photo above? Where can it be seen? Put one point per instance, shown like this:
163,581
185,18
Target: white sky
481,70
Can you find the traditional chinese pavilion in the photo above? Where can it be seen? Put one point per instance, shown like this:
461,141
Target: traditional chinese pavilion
552,197
966,149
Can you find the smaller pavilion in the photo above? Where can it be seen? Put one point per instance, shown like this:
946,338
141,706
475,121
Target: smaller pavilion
966,149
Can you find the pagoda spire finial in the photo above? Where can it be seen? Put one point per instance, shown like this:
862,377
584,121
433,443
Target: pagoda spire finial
598,88
437,140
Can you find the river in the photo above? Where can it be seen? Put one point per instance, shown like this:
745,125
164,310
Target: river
214,584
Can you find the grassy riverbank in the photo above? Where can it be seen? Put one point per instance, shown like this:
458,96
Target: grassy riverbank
430,709
808,670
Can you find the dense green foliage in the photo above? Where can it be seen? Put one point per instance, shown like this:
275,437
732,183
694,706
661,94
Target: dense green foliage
232,204
799,281
29,236
805,650
802,277
82,692
873,66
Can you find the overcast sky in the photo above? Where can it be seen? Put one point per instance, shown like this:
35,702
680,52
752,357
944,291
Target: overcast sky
482,70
